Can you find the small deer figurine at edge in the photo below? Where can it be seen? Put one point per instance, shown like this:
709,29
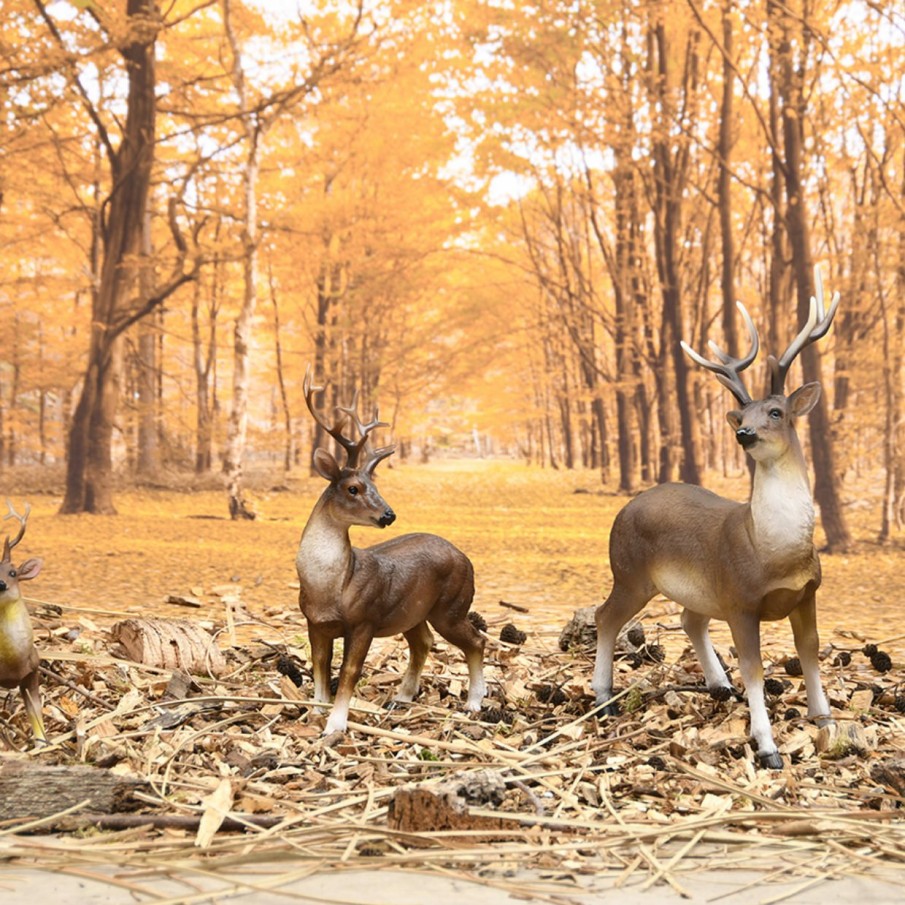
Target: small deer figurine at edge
744,563
398,586
19,659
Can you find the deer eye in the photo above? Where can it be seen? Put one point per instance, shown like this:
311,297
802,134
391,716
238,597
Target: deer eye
12,573
353,490
776,414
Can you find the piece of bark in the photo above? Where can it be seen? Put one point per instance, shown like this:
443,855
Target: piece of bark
580,633
890,773
169,644
841,739
444,804
30,791
184,600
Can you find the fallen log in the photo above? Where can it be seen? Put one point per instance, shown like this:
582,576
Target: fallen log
169,644
32,791
444,804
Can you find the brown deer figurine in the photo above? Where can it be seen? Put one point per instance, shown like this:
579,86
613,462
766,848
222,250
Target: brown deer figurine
19,659
744,563
399,586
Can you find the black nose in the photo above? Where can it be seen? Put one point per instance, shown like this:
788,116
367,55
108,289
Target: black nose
387,518
3,586
746,436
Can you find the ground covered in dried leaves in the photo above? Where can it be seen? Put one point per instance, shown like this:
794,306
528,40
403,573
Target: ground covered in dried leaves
216,772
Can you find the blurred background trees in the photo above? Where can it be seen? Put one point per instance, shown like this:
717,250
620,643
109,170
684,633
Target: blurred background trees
494,219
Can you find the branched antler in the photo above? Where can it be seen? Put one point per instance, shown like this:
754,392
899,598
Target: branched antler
22,520
817,324
353,446
375,455
728,369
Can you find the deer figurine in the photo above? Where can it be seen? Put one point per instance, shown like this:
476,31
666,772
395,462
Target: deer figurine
744,563
19,659
400,586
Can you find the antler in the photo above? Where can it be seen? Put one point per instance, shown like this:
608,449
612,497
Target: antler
817,324
353,447
376,455
728,369
21,519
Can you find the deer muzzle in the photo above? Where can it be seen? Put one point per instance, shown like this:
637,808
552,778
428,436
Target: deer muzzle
746,436
387,518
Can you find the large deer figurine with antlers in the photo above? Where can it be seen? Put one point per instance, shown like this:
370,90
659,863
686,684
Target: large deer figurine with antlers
19,659
399,586
744,563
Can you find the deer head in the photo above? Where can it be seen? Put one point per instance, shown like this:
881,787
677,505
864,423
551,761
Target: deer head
10,575
352,496
762,427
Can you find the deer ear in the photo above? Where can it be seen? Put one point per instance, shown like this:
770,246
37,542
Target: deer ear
29,569
326,466
734,418
804,399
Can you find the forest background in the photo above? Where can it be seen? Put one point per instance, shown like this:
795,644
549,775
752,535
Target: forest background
494,220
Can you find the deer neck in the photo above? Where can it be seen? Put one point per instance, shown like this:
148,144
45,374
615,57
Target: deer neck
782,507
324,559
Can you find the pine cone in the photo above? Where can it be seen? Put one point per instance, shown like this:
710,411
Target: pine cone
477,620
286,667
793,667
550,694
494,715
511,635
635,635
881,661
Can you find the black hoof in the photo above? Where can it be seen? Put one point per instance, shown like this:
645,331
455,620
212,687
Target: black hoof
772,760
609,710
396,705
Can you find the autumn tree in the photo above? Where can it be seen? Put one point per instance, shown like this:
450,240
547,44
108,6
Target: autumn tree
117,302
791,48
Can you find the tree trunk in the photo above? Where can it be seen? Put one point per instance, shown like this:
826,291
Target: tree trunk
281,378
724,192
89,466
670,176
204,360
237,429
12,422
893,366
826,478
147,462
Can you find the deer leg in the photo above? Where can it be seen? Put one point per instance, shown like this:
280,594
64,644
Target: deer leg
355,648
696,627
471,642
31,695
804,630
419,640
611,615
321,657
746,636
